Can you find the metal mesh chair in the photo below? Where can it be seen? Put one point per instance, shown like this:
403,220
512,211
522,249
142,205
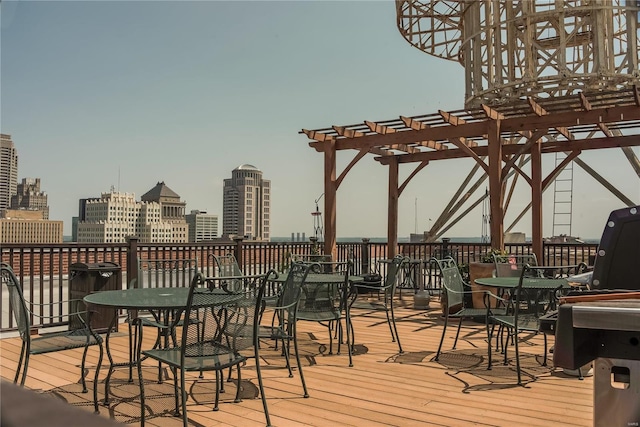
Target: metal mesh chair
204,346
512,265
326,302
386,291
454,290
157,273
79,335
524,308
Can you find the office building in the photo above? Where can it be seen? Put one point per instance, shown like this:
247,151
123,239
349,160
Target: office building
29,197
115,216
202,226
28,226
246,204
8,171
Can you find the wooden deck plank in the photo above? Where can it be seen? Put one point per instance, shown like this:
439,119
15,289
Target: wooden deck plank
382,388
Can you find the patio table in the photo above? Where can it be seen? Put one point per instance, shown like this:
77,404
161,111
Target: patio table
150,299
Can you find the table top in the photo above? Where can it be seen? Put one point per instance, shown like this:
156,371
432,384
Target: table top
528,283
152,298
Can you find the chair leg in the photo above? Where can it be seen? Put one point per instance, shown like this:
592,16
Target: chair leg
25,367
457,334
444,330
261,385
295,347
22,355
219,382
395,328
515,338
82,365
183,393
489,338
348,328
95,379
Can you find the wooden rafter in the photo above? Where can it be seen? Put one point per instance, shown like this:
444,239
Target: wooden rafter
537,108
352,133
416,125
381,129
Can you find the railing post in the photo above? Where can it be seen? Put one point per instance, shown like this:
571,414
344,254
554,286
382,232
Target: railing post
132,261
364,255
238,252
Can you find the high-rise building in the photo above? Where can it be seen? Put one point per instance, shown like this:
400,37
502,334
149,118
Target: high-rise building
115,216
246,204
8,170
202,226
28,196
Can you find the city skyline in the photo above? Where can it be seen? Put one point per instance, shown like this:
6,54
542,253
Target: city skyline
125,94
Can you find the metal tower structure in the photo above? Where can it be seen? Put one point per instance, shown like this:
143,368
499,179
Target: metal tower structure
516,48
534,49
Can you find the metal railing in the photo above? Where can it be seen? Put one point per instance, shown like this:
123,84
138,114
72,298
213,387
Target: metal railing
43,270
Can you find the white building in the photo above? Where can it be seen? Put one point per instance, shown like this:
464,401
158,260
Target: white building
202,226
115,216
246,204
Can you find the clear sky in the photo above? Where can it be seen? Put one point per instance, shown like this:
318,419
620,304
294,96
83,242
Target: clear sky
128,93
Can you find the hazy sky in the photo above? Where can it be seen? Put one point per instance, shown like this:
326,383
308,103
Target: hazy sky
129,93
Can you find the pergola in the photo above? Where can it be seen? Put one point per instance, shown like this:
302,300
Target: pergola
500,138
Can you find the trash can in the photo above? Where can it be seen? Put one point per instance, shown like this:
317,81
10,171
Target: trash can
86,279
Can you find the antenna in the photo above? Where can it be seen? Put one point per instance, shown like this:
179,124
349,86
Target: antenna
415,215
118,178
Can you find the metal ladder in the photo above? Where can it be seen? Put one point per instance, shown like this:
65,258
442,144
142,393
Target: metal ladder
562,198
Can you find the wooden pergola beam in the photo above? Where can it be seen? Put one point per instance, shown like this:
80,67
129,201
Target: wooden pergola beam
547,147
509,125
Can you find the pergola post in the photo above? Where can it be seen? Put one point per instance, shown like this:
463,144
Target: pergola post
536,199
330,190
496,194
392,212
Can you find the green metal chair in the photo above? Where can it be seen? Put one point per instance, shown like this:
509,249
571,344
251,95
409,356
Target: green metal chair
79,335
204,345
386,291
512,265
454,290
153,273
327,302
245,330
524,307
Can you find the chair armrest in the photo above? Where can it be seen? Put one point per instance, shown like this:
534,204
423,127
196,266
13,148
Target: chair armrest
489,296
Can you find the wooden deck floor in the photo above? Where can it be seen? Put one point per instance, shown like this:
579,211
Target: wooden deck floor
383,388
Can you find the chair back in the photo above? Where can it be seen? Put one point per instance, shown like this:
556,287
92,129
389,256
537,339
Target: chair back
452,282
392,274
243,317
512,265
227,266
289,292
203,341
17,304
165,273
320,299
535,302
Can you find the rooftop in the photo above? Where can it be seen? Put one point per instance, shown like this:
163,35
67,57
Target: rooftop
383,388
